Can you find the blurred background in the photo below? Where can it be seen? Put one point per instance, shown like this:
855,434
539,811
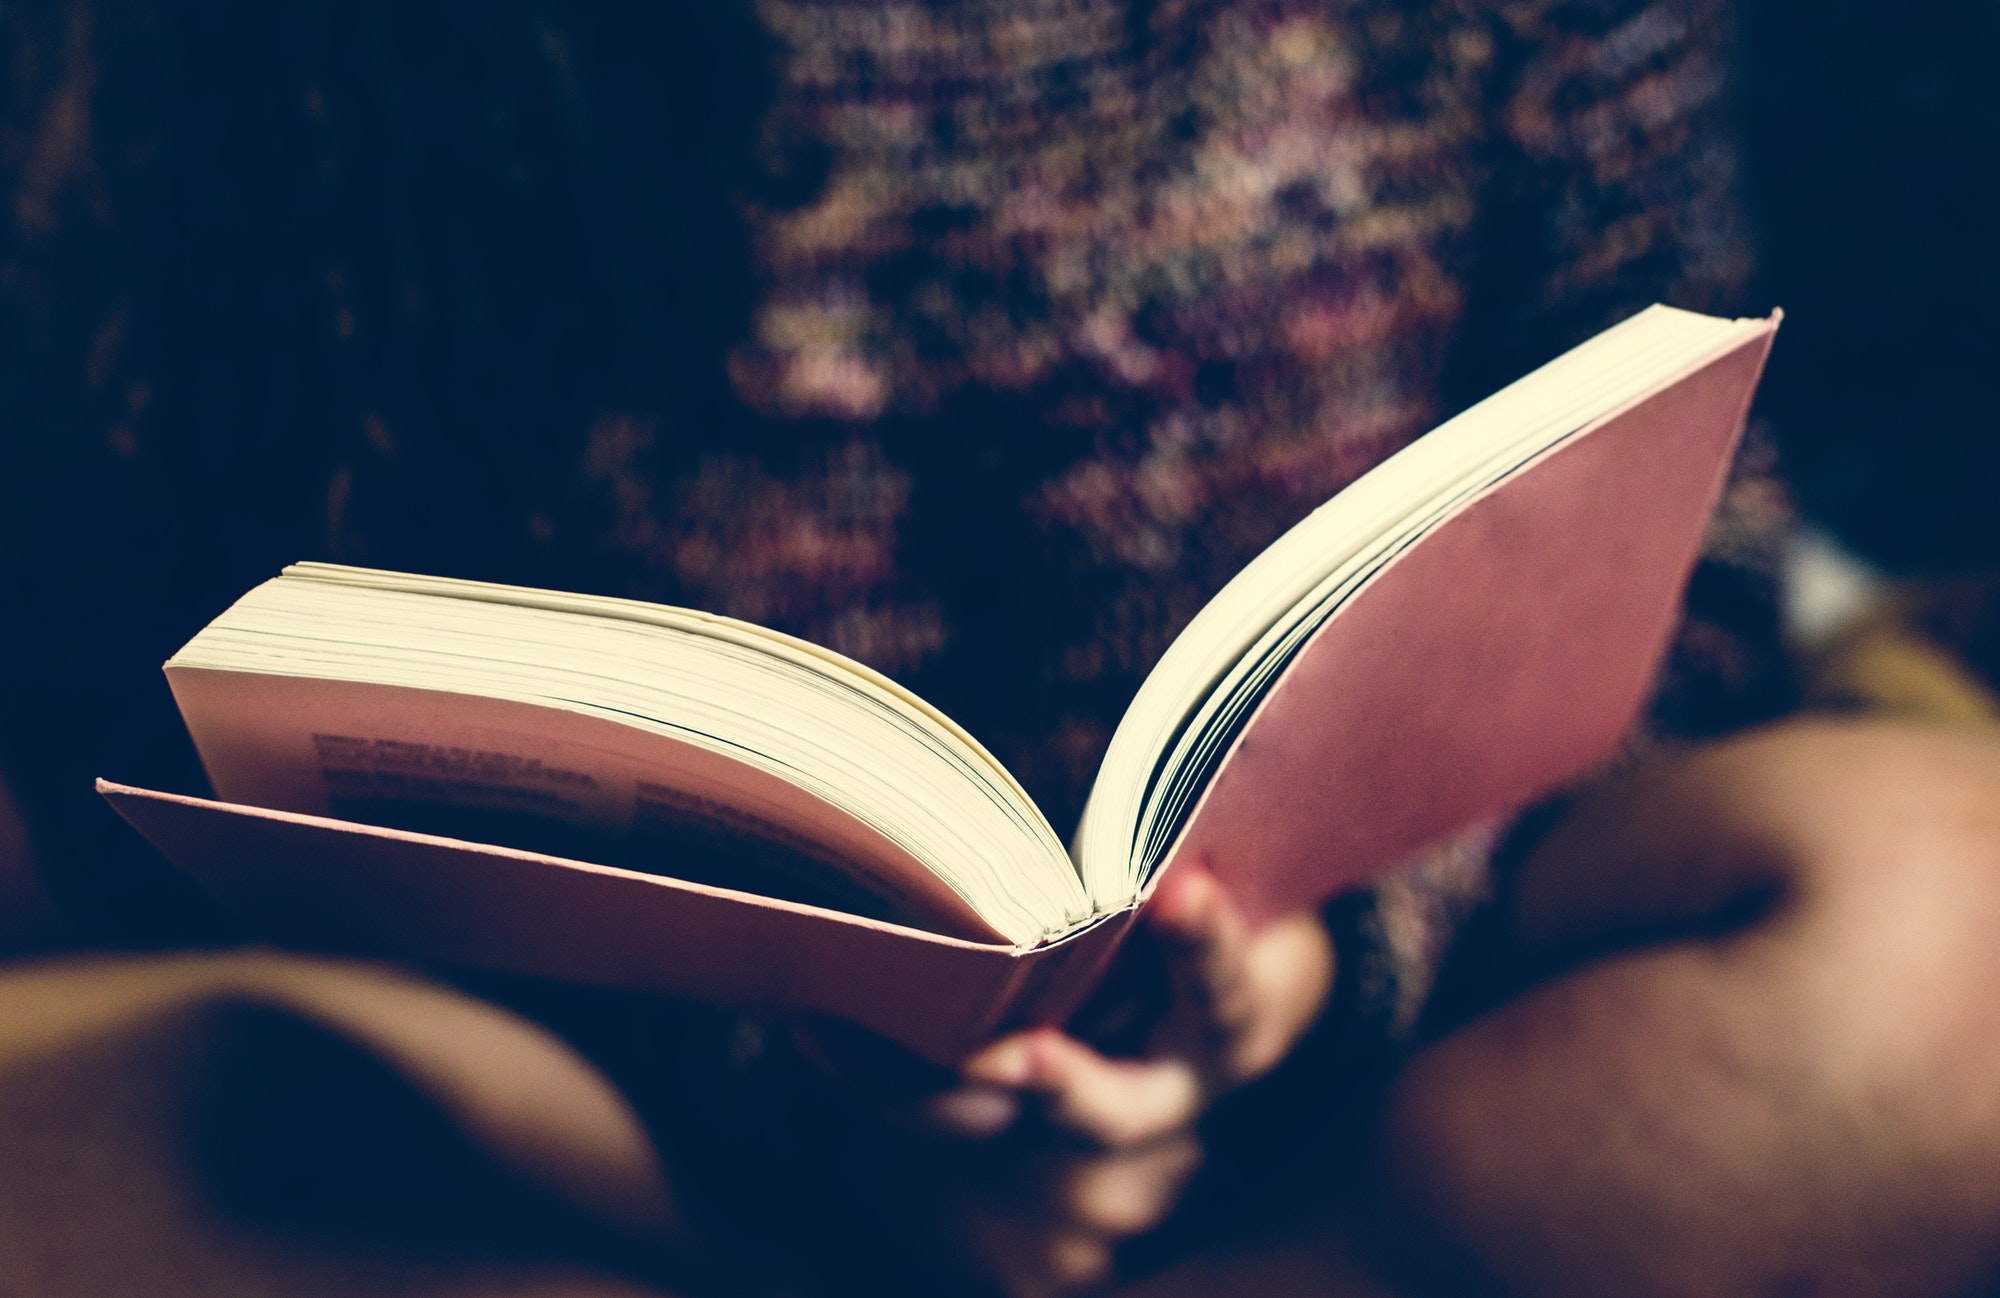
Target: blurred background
1874,143
251,250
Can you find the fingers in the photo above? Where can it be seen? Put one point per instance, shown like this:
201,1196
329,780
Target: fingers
1239,1000
1290,967
1078,1149
1059,1232
1206,945
1241,997
1111,1103
1026,1259
1114,1103
1128,1193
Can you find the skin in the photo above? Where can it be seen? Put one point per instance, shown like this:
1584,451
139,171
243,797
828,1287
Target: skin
1746,1040
1239,1000
1024,1173
1770,1062
1753,1047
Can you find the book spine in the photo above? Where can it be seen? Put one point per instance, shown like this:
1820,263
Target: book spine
1050,983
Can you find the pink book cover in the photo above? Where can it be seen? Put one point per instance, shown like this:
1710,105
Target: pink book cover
1504,654
321,884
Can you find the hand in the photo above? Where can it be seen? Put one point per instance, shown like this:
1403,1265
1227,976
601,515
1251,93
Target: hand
1046,1152
1768,1060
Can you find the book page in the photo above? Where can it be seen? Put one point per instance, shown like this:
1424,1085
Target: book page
843,746
548,780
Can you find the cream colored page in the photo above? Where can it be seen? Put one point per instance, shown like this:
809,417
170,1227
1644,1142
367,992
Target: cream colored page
835,666
902,779
298,744
1458,458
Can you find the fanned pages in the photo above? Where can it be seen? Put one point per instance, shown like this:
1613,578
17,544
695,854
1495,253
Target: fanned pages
385,697
1466,627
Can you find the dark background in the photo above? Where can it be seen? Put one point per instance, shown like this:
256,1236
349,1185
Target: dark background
482,222
1874,142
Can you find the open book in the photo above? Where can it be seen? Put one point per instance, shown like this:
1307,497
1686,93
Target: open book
624,793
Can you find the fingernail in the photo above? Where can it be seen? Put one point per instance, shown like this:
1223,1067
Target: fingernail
1183,898
1007,1063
